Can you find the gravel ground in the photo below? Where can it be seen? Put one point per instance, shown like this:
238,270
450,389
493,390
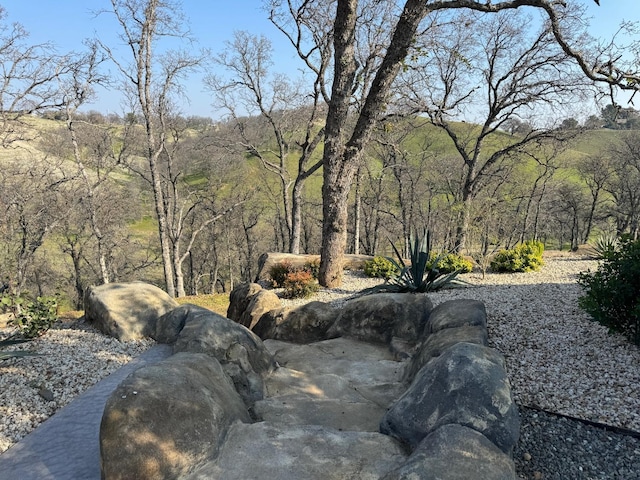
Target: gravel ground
558,360
73,358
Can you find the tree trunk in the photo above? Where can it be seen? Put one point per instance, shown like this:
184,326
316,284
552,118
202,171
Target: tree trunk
356,217
335,194
296,216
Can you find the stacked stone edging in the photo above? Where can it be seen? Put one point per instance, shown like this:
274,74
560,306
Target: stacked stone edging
457,415
457,406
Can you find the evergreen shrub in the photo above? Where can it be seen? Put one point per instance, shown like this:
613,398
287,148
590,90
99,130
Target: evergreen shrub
380,267
31,317
526,257
300,284
612,293
451,262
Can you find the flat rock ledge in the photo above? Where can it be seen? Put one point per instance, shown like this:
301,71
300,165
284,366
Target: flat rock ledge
387,387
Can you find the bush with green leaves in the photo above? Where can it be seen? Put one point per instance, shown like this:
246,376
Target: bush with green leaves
300,284
279,272
450,262
313,267
31,317
380,267
612,293
526,257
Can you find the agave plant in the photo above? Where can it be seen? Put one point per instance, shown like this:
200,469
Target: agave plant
605,244
14,353
422,274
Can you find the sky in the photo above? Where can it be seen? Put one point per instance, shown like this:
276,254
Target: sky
66,23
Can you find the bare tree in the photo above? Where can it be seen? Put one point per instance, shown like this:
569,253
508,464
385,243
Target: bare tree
154,81
290,113
624,184
503,72
347,135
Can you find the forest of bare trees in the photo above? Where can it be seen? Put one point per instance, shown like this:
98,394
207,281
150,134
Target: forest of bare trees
454,116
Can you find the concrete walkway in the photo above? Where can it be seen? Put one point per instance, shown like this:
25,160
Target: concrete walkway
66,446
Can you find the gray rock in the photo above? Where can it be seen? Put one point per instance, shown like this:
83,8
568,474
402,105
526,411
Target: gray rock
436,343
457,313
239,299
167,417
466,385
267,451
455,452
381,317
241,353
126,311
305,324
259,304
169,325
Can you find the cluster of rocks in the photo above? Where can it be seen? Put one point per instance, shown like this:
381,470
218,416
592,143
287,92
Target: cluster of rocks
444,403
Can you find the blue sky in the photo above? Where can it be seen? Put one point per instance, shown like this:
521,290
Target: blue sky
66,23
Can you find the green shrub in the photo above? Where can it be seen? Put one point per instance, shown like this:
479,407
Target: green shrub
451,262
279,272
31,318
612,293
380,267
300,284
313,267
525,257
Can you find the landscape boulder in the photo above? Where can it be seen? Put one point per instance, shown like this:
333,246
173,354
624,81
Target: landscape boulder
304,324
126,311
241,353
165,418
466,385
454,451
239,299
259,304
381,317
249,301
437,343
457,313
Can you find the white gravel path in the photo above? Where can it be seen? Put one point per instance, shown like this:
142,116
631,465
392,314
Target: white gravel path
557,358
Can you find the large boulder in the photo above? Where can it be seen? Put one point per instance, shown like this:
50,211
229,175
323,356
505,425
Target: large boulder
437,343
249,301
242,354
457,313
455,452
262,302
165,418
381,317
304,324
126,311
466,385
270,451
239,299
